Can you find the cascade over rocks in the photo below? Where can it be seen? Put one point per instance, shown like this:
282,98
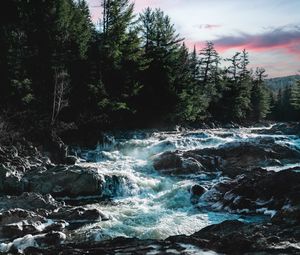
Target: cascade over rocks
292,128
33,221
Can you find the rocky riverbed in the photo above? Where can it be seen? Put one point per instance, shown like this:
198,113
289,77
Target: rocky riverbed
204,191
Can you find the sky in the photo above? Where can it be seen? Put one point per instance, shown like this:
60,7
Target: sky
268,29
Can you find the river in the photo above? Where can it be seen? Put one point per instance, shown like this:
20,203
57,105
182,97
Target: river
149,205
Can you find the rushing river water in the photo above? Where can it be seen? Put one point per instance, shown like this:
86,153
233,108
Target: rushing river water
147,204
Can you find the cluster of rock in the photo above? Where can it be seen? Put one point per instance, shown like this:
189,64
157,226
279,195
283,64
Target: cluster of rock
32,190
231,159
35,217
245,187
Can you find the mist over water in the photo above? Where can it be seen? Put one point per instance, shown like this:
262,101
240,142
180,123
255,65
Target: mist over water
146,204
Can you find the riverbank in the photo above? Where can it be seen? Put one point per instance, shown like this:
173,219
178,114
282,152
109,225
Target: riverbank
177,187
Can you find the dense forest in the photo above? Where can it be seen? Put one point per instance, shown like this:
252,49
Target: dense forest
58,69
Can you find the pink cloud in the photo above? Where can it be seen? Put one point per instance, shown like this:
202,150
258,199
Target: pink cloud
279,39
287,41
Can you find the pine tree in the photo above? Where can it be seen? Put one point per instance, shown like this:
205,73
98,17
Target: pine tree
260,96
295,96
243,87
194,64
192,101
239,84
162,52
121,56
209,61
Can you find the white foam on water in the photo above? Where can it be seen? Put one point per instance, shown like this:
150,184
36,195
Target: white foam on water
152,205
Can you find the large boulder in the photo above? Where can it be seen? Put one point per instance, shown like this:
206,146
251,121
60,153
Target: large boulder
73,181
65,181
182,163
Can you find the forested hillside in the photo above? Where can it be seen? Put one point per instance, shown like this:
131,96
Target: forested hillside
134,71
278,83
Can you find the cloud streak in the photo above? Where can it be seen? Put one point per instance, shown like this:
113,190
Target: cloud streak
287,40
209,26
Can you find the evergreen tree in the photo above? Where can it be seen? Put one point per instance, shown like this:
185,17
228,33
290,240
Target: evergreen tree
295,96
260,96
121,56
162,52
239,84
192,101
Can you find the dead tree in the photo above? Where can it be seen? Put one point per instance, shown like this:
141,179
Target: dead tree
60,93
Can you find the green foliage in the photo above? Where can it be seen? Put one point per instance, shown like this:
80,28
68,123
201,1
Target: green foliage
260,96
131,71
295,96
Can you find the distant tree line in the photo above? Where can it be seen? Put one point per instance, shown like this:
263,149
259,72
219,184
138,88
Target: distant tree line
128,71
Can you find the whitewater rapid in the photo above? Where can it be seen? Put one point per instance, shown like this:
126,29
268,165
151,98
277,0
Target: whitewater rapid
147,204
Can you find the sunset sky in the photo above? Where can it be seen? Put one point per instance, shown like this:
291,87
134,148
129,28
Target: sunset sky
268,29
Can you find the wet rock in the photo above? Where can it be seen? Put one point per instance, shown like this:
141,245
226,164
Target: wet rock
228,237
28,243
236,158
232,159
197,190
66,181
10,181
70,160
182,163
73,182
167,160
258,191
291,128
29,201
234,237
17,222
79,214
